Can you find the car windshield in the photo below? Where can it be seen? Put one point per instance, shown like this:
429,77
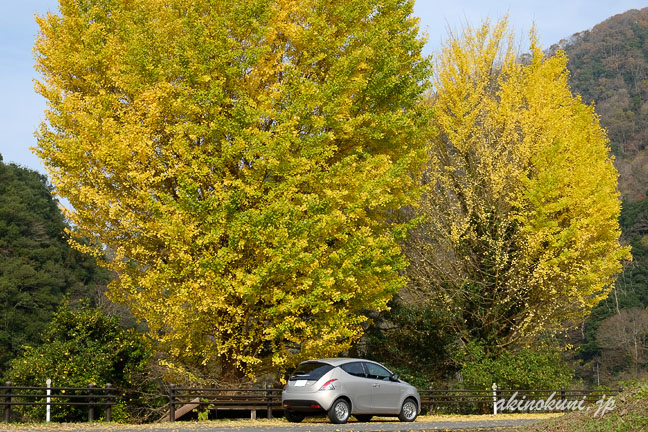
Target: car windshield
310,371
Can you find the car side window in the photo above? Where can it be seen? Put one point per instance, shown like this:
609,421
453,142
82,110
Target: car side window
354,368
377,372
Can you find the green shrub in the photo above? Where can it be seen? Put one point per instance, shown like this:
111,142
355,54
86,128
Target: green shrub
83,347
521,369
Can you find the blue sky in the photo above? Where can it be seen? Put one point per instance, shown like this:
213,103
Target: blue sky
22,109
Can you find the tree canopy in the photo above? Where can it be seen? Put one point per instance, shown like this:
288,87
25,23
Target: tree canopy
520,222
37,266
241,162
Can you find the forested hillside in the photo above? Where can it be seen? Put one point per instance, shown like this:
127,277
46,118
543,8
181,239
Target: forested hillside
615,336
37,266
609,66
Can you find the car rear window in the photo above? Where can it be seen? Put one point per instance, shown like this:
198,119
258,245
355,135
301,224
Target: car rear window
310,371
354,369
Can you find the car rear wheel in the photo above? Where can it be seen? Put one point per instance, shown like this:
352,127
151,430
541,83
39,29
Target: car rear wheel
293,417
339,411
363,417
409,411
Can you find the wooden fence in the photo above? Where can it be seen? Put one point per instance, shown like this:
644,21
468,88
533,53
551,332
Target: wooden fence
224,399
482,401
94,398
432,400
185,399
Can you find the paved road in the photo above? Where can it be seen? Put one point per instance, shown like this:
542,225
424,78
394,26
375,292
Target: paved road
480,425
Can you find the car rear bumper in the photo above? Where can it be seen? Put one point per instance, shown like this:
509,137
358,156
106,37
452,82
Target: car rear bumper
309,401
303,405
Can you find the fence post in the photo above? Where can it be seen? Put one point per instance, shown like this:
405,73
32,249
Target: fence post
499,395
431,403
48,408
269,399
90,402
172,402
494,387
110,401
253,411
562,394
7,407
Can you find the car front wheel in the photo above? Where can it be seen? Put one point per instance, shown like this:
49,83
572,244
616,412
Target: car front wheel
339,411
409,411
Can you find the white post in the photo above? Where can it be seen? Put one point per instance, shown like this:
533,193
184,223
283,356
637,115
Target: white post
494,398
49,392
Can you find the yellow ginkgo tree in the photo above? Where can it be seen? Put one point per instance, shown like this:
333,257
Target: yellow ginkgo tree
237,164
519,227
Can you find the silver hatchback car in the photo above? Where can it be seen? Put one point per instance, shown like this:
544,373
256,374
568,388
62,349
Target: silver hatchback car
342,387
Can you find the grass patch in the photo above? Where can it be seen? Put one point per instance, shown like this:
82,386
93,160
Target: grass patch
629,415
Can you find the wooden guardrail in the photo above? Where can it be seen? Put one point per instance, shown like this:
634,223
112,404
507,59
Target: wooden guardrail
459,400
185,399
432,400
215,399
92,397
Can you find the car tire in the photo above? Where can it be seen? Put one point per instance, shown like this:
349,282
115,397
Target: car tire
339,412
363,417
409,410
293,417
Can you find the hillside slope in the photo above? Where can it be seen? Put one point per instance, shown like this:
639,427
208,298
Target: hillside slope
38,269
630,414
609,66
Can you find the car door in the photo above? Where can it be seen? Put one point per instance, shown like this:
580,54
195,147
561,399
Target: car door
385,393
358,387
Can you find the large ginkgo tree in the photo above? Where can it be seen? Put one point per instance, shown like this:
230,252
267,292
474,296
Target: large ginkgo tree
520,230
238,164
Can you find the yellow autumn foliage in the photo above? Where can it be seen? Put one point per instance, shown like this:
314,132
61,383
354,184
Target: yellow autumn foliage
520,219
236,163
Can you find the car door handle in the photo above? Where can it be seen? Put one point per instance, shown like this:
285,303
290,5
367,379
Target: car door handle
375,385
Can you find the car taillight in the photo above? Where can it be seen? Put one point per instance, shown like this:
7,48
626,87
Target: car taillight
328,385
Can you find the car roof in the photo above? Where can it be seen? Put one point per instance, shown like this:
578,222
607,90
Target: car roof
338,361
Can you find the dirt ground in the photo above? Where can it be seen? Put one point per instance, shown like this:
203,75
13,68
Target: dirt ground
423,423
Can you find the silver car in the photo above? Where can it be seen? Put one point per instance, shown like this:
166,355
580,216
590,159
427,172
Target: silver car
342,387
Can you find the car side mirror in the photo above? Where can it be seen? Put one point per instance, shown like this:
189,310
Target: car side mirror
394,377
